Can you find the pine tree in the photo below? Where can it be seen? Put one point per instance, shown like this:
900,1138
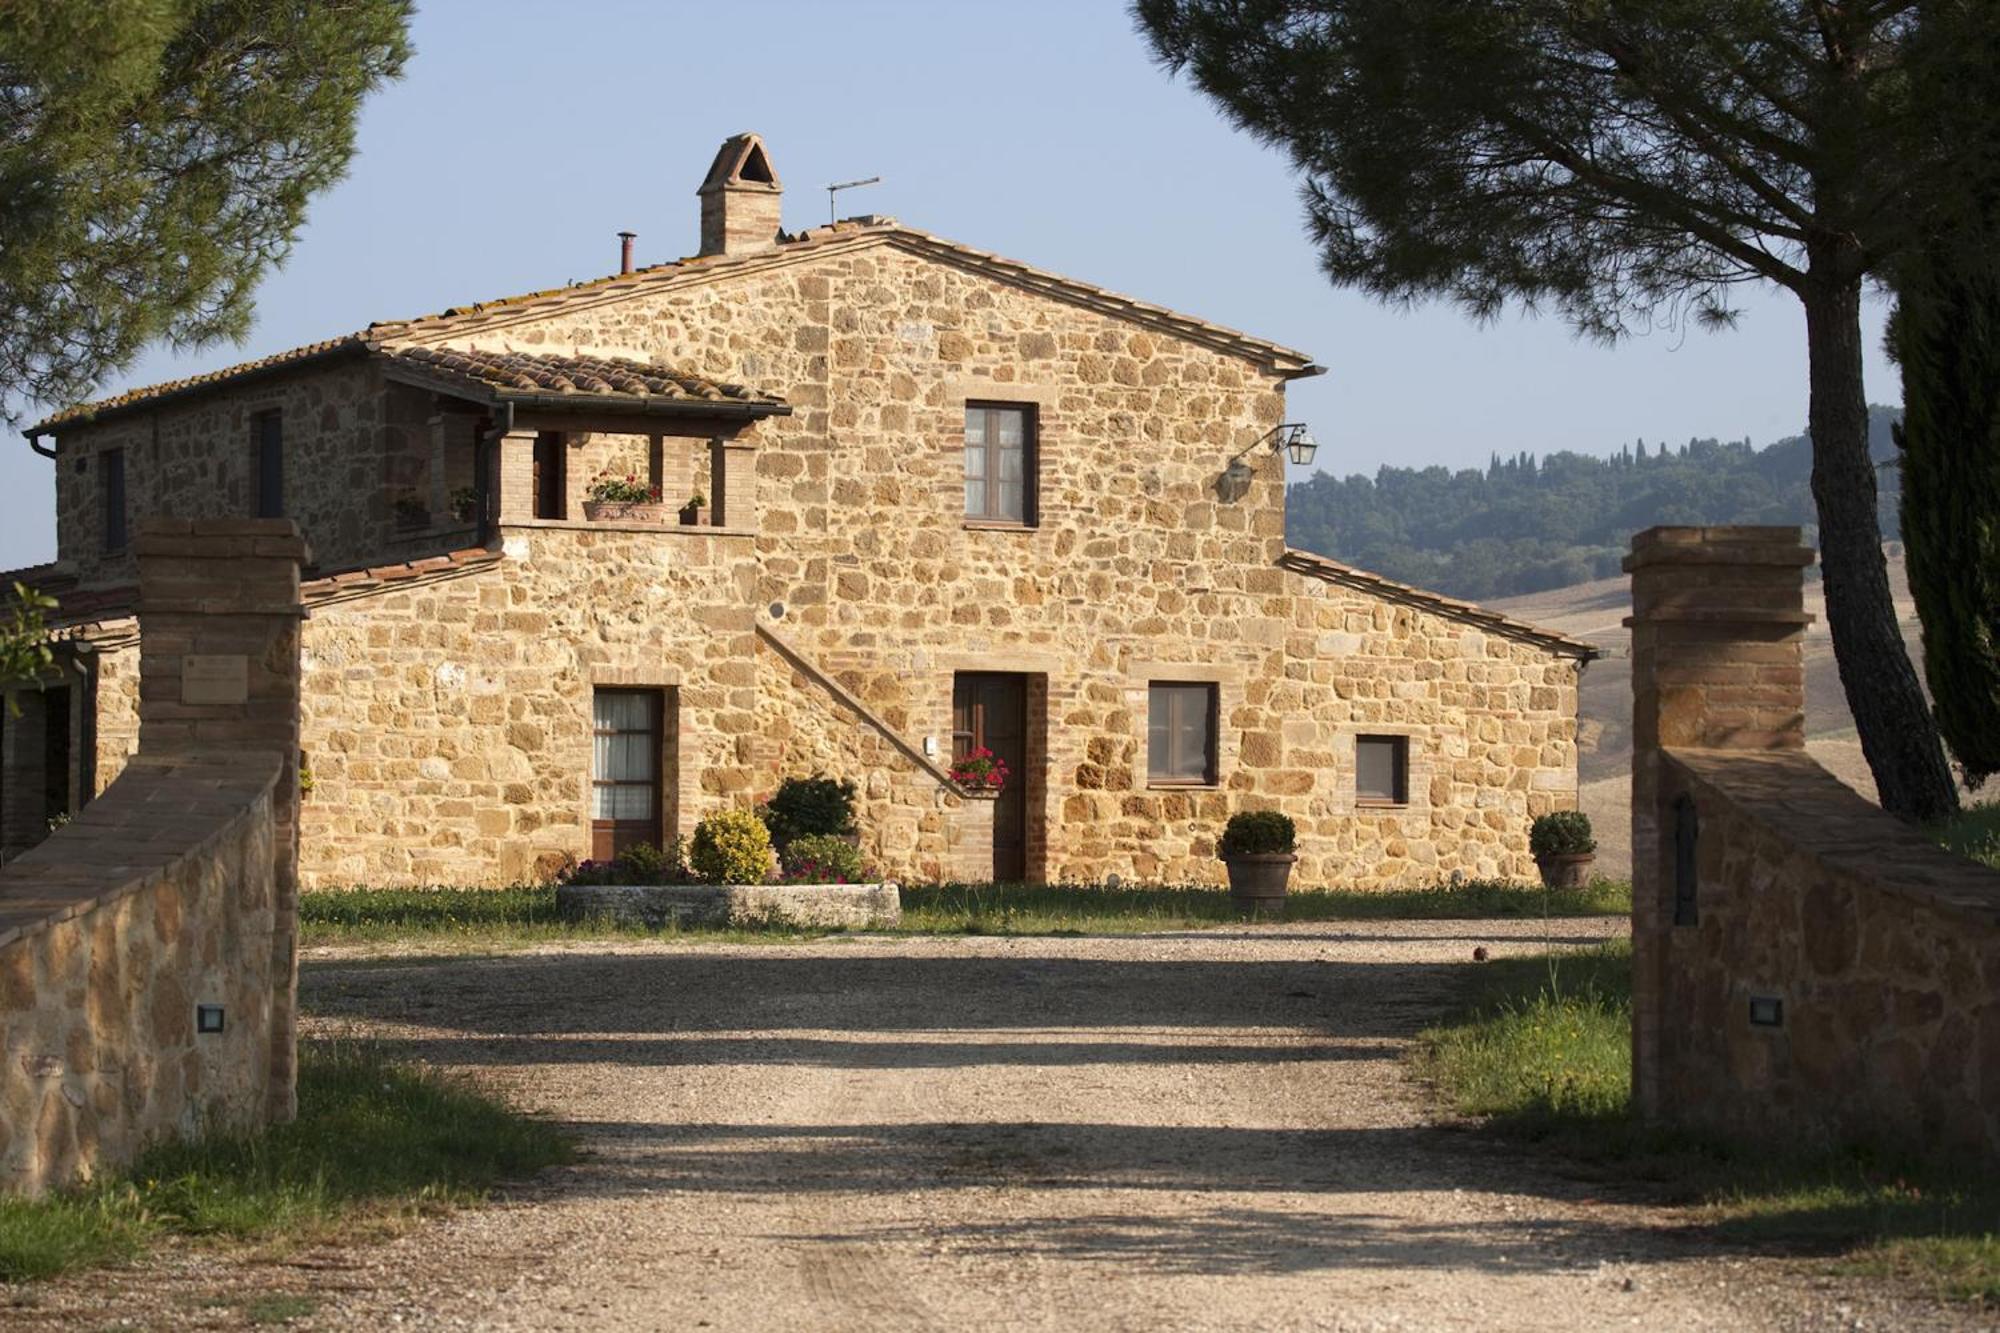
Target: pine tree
1613,161
156,159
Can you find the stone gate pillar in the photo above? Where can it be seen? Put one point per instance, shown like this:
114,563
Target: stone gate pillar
1718,663
219,624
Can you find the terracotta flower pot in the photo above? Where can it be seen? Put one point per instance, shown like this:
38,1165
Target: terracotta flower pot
1569,870
1258,881
624,511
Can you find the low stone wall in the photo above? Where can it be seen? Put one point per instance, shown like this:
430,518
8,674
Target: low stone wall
158,898
829,906
1806,968
1840,977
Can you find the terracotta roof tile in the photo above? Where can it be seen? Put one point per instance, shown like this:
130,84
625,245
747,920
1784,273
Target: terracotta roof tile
347,344
855,233
547,373
1332,571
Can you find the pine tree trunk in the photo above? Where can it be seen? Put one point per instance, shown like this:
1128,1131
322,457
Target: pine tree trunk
1897,733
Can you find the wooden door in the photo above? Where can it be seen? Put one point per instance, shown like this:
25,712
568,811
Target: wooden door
990,710
625,771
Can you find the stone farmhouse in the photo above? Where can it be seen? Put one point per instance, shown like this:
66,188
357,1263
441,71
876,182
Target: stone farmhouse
951,500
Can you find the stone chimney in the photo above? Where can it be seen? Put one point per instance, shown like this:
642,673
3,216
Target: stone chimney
740,199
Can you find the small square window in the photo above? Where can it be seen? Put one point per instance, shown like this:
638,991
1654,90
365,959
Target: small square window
1000,462
1180,734
1382,770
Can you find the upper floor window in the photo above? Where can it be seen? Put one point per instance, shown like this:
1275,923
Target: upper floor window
1000,462
267,430
1180,733
111,474
1382,770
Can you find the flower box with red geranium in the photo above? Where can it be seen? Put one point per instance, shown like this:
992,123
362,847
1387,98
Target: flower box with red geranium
980,772
623,499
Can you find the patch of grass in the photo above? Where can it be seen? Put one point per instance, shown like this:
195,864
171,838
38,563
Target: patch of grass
375,1143
1973,832
278,1308
1542,1051
1550,1045
523,916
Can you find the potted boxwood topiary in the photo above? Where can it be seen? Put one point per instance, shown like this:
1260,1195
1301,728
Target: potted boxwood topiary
1256,845
1564,848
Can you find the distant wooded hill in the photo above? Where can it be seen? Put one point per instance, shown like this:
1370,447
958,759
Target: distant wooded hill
1527,524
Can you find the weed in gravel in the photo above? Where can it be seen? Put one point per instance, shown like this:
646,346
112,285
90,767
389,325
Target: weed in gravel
278,1307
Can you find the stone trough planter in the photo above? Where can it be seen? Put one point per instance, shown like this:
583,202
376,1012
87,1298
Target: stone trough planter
817,906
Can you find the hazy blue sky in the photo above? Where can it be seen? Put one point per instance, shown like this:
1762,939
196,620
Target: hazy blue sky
525,135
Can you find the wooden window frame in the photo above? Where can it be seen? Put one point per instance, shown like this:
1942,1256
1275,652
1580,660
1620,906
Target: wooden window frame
656,727
267,462
112,501
1401,746
1211,756
1031,463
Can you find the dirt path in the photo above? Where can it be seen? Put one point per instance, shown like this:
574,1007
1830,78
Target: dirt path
1191,1131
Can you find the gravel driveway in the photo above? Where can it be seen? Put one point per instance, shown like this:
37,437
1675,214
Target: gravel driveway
1208,1130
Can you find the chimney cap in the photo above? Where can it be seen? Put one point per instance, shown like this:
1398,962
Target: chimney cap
741,163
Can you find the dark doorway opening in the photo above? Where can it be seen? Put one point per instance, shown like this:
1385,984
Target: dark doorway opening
989,709
55,753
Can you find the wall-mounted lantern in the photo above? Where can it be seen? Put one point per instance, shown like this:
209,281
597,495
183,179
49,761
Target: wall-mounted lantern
1290,438
1297,442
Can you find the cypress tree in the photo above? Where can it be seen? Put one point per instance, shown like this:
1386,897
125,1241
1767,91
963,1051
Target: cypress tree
1946,337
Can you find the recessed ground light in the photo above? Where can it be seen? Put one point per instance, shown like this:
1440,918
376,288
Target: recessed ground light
208,1018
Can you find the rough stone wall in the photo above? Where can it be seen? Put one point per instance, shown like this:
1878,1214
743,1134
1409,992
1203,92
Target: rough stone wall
352,446
448,724
1883,951
1806,967
101,970
174,890
914,822
1137,569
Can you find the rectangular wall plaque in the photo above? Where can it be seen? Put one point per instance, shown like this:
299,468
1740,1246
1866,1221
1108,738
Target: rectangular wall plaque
215,679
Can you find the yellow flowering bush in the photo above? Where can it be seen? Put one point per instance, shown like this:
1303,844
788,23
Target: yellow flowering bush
730,847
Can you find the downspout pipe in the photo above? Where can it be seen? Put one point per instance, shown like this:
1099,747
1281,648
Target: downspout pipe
35,443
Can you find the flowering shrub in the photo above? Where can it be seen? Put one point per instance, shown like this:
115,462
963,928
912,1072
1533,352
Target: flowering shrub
608,488
731,847
820,858
981,770
641,863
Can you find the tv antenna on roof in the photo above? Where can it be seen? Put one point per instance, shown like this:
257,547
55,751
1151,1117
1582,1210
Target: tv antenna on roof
832,211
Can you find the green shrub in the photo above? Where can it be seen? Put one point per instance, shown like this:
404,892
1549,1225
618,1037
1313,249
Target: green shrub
805,807
1563,833
821,858
730,847
1256,833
